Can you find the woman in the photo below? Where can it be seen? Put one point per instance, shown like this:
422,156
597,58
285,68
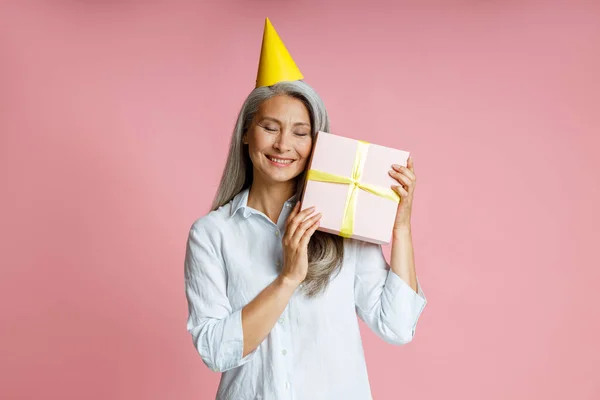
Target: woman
272,301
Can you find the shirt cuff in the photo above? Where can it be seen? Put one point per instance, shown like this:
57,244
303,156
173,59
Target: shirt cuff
234,341
405,296
237,317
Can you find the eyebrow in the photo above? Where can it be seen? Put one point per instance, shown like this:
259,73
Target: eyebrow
279,122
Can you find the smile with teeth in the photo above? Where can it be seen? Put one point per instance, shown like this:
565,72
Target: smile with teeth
279,160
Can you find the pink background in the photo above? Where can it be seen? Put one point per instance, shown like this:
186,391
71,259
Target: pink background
115,118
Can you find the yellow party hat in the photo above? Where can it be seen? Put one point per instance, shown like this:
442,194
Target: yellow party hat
275,64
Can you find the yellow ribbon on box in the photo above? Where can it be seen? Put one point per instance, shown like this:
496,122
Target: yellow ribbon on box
354,183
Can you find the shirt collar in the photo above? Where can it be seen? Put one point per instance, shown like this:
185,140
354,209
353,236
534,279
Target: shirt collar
240,202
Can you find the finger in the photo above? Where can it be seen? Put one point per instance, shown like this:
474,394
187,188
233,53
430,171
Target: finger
290,219
303,227
411,164
404,170
401,191
308,234
305,213
296,221
401,178
293,212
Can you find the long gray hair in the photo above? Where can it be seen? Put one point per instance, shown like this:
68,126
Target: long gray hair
325,251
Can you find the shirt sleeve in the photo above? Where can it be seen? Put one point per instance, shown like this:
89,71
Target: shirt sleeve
384,301
215,327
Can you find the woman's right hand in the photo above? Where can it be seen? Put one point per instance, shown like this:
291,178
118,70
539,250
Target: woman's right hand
298,232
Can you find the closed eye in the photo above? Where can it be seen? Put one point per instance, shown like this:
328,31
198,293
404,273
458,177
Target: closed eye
269,128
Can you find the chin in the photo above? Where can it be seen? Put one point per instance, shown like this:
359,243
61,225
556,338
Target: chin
282,178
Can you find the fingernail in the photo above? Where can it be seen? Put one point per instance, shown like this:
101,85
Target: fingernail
395,165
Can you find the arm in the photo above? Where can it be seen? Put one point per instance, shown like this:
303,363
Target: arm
402,259
384,301
215,327
261,314
227,338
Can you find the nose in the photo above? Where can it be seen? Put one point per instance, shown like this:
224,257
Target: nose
282,143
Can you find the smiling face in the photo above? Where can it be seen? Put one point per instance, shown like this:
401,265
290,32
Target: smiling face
279,140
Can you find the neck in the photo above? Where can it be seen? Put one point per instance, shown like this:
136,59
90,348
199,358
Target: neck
269,199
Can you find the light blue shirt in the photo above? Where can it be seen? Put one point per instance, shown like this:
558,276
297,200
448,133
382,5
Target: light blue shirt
315,350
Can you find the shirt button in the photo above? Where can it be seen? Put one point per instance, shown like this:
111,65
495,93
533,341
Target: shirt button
280,321
284,352
287,385
277,233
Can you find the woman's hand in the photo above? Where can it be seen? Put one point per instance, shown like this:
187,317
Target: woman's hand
407,180
298,232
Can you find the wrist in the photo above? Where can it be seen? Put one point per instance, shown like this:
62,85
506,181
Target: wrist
401,231
286,282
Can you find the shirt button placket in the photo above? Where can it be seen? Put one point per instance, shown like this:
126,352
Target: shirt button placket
283,323
284,352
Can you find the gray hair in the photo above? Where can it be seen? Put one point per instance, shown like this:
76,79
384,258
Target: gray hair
325,251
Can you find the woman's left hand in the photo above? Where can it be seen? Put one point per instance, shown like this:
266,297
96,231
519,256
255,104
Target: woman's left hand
407,180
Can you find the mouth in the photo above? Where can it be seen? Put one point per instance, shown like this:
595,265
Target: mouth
280,162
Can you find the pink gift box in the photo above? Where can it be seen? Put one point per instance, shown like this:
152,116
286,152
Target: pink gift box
373,215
